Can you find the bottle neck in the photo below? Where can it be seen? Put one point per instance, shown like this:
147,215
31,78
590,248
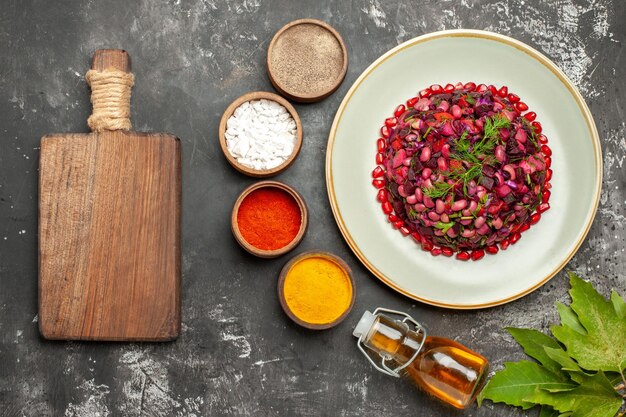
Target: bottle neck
393,340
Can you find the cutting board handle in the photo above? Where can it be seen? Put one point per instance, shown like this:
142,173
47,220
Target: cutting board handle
117,59
112,112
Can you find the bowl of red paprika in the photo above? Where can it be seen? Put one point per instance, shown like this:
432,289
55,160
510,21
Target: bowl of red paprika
269,219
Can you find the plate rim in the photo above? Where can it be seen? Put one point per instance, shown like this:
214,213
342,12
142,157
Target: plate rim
533,53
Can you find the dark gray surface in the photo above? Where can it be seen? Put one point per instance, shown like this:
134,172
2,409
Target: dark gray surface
238,354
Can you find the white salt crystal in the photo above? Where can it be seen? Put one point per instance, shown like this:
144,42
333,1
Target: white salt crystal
261,134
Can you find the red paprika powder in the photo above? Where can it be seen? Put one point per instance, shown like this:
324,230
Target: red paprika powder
269,218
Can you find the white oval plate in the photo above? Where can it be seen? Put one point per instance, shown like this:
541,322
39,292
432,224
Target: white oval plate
448,57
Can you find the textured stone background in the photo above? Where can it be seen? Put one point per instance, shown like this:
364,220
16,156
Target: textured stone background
238,354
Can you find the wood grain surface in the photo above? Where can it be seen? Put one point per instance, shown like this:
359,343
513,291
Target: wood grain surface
109,233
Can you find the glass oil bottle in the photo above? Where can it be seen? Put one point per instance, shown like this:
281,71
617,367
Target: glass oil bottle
442,367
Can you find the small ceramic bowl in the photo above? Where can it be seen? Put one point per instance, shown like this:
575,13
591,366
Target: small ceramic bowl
281,288
258,95
277,252
307,60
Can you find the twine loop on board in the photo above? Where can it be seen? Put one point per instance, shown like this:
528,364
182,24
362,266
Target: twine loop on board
110,98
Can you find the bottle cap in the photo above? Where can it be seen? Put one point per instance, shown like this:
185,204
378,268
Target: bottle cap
364,325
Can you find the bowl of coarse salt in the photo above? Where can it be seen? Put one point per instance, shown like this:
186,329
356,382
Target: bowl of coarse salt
260,134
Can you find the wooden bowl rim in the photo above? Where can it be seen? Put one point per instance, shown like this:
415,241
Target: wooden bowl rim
311,98
314,254
277,252
257,95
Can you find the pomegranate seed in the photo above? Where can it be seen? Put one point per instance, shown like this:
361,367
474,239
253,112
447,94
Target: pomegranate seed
493,89
393,218
463,256
378,172
524,227
543,207
379,158
411,102
427,246
545,196
458,86
391,122
449,88
417,237
385,132
504,244
399,110
535,218
514,238
435,251
399,224
436,89
513,98
378,183
478,254
470,86
380,144
530,116
405,231
481,88
548,161
547,186
382,195
537,127
521,106
425,93
503,92
548,175
546,150
492,249
387,208
447,252
543,139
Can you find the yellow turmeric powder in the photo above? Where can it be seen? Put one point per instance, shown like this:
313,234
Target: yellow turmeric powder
317,290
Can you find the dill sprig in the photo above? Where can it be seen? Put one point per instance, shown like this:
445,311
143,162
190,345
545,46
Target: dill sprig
491,134
438,190
464,150
493,125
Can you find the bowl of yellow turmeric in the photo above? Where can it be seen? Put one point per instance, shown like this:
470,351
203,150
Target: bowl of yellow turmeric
316,290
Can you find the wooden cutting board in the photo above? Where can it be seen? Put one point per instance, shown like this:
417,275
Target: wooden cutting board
109,232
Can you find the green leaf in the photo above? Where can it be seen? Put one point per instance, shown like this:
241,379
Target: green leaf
603,347
547,411
566,363
594,397
518,382
534,343
569,318
614,377
618,304
577,377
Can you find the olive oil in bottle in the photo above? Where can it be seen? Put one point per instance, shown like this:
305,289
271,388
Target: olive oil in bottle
442,367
